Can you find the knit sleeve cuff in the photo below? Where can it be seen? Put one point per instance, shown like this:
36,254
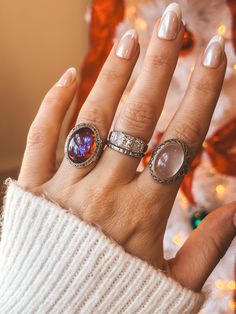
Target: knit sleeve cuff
53,262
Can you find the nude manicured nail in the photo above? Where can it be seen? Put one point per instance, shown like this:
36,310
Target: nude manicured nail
214,52
67,78
127,45
170,22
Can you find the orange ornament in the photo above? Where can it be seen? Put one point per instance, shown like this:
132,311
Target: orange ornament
188,43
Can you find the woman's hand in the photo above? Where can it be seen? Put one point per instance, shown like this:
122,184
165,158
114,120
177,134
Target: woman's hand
128,206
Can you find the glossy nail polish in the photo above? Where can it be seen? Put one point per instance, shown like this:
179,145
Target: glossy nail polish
127,45
170,22
67,78
214,52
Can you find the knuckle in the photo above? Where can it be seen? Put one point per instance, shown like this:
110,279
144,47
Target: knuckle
100,207
50,99
36,136
138,114
110,75
157,62
190,133
217,244
92,114
202,85
219,247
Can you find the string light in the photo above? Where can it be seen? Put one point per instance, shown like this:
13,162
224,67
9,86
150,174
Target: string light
140,23
220,190
178,239
229,285
232,304
219,284
221,29
234,66
131,10
184,202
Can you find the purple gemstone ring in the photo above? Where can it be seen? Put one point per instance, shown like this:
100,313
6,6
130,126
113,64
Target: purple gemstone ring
169,161
83,145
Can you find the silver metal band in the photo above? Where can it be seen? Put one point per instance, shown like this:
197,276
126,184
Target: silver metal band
127,144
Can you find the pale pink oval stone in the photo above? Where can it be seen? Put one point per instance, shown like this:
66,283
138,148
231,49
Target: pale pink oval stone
169,160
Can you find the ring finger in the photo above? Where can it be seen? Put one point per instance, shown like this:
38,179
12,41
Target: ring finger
191,121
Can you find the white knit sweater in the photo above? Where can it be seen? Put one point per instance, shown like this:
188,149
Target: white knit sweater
53,262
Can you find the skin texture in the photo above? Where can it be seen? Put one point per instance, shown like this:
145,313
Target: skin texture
128,206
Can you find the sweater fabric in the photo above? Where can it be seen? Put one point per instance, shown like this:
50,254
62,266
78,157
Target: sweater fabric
53,262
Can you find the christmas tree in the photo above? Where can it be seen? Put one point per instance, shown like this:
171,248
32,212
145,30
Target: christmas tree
211,181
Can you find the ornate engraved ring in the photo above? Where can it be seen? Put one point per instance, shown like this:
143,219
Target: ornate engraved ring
127,144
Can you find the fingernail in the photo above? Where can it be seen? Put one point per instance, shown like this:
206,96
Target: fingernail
127,45
214,52
170,22
67,78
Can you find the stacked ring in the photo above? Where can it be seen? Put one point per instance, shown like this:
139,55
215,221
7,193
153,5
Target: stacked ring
169,161
126,144
83,145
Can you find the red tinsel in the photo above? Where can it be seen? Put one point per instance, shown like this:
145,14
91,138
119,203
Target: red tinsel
105,16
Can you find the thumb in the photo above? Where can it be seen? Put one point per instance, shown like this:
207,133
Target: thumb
205,247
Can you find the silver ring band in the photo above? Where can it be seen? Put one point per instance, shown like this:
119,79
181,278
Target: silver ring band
169,161
127,144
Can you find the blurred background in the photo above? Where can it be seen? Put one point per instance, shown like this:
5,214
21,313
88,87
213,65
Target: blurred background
39,41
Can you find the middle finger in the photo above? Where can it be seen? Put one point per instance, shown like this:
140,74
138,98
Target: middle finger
144,104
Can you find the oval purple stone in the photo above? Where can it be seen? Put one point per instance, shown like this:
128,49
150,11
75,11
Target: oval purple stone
81,145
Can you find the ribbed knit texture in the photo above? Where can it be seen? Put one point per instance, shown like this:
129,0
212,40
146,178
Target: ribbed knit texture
53,262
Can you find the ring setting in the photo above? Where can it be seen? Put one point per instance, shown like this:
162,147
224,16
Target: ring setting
83,145
127,144
169,161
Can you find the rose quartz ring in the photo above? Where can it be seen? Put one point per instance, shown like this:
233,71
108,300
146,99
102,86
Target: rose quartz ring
83,145
169,161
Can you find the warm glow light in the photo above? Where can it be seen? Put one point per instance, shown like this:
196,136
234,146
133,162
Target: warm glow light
220,189
184,202
225,284
220,284
234,66
178,239
221,29
131,10
231,285
140,23
232,304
